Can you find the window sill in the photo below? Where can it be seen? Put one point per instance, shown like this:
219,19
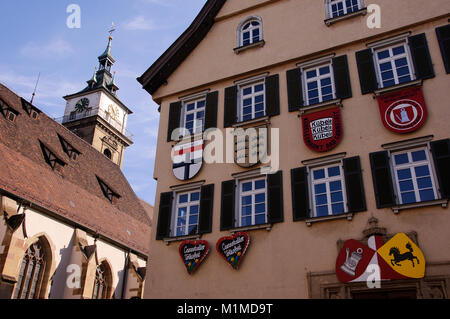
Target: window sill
260,121
267,227
438,202
390,89
258,44
348,216
170,240
336,102
331,21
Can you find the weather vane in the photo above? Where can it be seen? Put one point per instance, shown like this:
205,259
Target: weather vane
112,29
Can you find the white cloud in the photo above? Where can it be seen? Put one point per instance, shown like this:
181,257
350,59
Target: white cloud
55,48
141,23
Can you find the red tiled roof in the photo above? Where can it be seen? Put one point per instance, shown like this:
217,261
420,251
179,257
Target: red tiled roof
75,193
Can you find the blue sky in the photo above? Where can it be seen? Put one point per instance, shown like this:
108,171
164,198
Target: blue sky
35,38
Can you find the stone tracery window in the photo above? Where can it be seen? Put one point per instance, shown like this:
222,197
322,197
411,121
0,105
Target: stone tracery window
30,282
102,284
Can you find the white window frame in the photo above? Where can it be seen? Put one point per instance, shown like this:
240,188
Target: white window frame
241,88
240,31
240,194
430,164
326,180
187,205
329,10
389,45
185,113
309,67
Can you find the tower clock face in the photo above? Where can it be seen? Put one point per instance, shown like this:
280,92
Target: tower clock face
82,104
113,111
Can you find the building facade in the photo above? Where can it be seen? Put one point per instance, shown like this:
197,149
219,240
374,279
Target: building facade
72,226
357,110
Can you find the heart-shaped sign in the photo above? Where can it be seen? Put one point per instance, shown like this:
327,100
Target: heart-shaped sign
233,248
193,253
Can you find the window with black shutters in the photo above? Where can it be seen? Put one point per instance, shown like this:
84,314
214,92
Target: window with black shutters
252,201
251,99
412,175
395,61
185,212
318,81
327,189
192,115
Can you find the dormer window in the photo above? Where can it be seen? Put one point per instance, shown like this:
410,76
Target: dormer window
69,149
8,112
30,109
250,32
111,195
52,160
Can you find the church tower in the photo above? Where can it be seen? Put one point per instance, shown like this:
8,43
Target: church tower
97,115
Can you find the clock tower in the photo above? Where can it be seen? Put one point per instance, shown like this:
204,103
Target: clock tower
97,115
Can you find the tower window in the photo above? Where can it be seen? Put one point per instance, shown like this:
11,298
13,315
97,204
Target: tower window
107,153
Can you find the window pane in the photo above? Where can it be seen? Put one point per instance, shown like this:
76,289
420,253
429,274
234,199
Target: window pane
406,186
259,88
246,211
193,219
338,208
259,98
259,107
385,66
426,195
424,183
322,211
401,159
260,219
247,200
200,104
247,91
404,174
419,156
260,198
181,221
247,186
422,171
325,82
260,208
181,231
324,70
321,199
319,174
193,209
182,211
334,171
320,188
195,196
190,107
383,54
398,50
312,85
336,197
335,186
260,184
311,74
246,221
409,197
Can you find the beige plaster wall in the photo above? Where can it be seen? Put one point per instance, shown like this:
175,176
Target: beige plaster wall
277,261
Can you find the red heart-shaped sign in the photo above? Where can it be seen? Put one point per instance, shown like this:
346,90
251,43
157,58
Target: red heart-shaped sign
233,248
193,253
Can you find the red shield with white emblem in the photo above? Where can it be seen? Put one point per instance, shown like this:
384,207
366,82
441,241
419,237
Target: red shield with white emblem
322,131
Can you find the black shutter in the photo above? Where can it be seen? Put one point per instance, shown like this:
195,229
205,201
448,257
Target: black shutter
211,110
164,216
342,77
294,88
443,35
227,211
366,71
272,95
275,197
174,119
421,56
230,112
206,209
382,179
356,200
300,194
441,155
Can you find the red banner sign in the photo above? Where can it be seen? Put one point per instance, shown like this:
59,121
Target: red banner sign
322,131
403,111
